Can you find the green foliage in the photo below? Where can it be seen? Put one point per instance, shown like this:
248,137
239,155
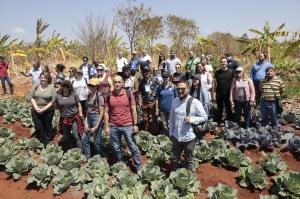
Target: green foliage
234,158
203,152
64,179
287,185
185,181
268,197
252,176
41,175
97,188
52,154
18,165
152,173
72,159
6,133
7,150
96,168
163,189
273,163
222,191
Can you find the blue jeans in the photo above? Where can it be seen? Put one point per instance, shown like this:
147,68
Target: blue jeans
116,135
92,140
70,134
268,111
10,84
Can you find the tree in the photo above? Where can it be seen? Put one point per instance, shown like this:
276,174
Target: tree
203,42
265,40
225,43
129,17
99,40
181,31
41,26
150,28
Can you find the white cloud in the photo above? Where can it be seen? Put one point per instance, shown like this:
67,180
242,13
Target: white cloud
18,30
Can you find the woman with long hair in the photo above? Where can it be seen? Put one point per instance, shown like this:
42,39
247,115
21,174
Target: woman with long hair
162,63
42,98
71,117
92,136
199,92
242,96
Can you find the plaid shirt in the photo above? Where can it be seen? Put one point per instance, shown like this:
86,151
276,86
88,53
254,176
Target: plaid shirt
69,121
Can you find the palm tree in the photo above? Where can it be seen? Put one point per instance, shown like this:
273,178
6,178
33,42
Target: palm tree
202,41
264,40
41,26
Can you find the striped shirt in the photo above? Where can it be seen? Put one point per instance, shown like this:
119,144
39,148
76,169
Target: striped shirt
271,88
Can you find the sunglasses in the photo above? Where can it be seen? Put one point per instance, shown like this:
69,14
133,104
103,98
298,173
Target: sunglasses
238,71
117,82
180,89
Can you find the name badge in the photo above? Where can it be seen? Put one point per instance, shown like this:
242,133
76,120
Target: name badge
147,88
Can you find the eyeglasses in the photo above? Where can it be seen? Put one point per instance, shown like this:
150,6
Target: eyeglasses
180,89
100,69
238,71
117,82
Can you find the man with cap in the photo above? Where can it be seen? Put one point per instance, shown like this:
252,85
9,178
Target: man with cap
120,63
134,63
147,95
81,89
92,137
165,94
271,87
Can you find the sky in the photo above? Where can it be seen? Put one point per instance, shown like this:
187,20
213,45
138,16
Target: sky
18,17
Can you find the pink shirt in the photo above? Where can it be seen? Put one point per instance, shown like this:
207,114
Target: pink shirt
3,69
206,79
119,109
239,84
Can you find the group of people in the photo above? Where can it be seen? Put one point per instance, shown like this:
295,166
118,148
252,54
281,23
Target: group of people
91,100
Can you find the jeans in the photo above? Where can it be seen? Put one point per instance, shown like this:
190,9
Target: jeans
240,107
10,84
70,134
43,125
179,147
221,100
268,111
116,135
94,140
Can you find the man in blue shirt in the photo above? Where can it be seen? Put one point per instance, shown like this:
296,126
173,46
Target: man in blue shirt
258,73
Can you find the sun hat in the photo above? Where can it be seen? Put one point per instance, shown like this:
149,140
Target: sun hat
94,82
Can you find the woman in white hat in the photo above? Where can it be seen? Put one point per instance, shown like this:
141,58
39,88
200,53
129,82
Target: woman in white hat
242,96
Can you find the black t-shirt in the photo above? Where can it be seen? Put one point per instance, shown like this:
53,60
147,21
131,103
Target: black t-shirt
224,79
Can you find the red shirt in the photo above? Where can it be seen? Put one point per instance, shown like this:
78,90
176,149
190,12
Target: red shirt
3,69
119,109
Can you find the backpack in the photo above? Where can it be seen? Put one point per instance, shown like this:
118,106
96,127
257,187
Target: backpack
199,129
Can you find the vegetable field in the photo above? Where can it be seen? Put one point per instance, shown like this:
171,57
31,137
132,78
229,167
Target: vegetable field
229,163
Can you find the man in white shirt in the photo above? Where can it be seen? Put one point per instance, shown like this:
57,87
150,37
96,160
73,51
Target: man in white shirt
180,128
145,60
120,63
172,62
35,73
